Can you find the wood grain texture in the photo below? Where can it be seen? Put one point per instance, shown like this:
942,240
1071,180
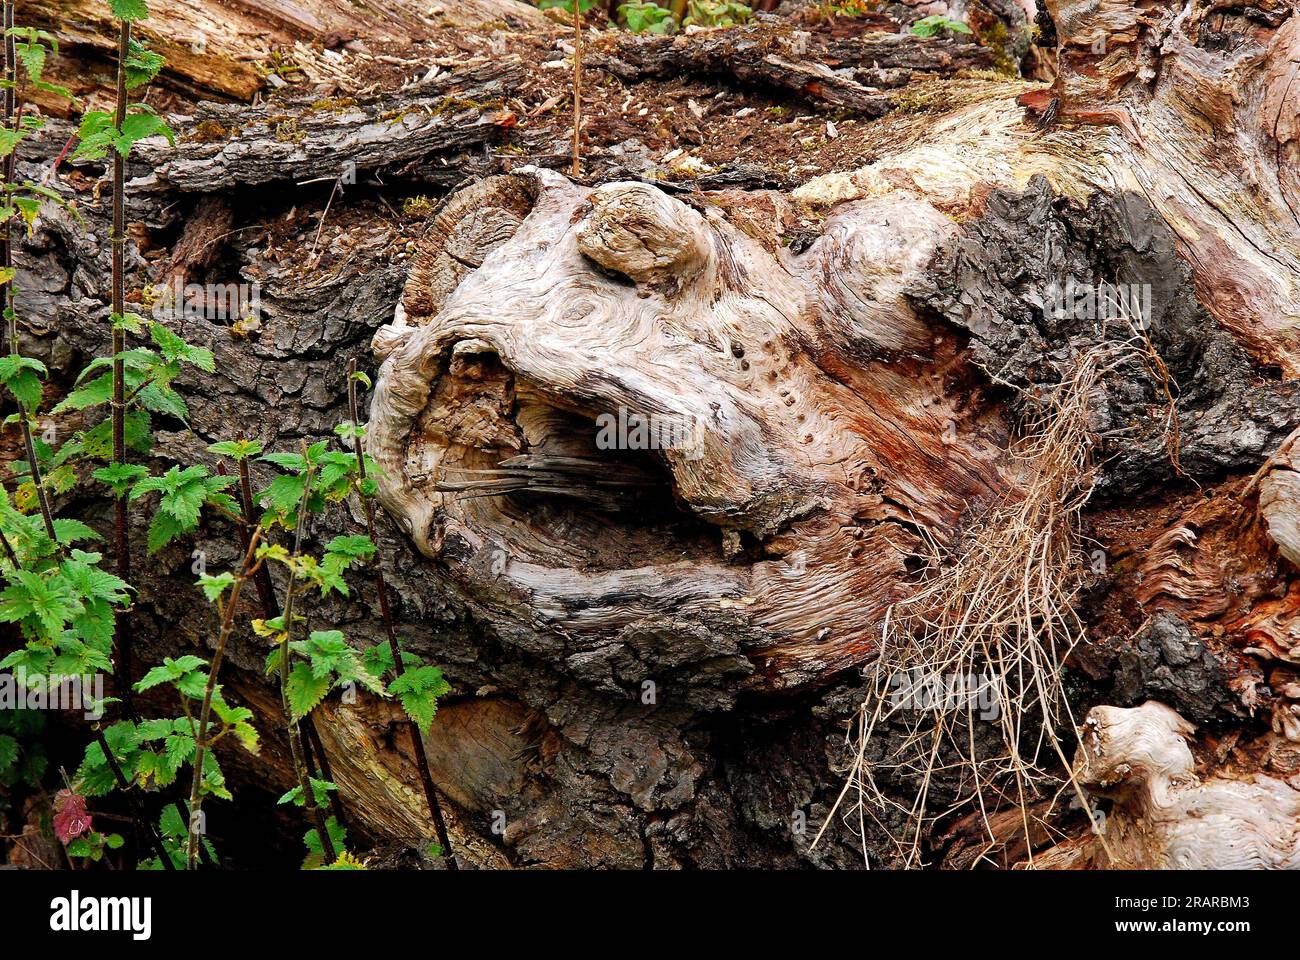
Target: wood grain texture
215,49
837,355
1164,815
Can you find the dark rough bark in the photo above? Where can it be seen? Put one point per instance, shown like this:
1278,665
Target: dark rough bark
991,283
232,145
549,740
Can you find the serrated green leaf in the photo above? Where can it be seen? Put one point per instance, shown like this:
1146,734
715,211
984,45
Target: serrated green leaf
304,690
120,476
129,10
237,450
141,65
68,531
214,586
284,494
418,691
163,530
92,394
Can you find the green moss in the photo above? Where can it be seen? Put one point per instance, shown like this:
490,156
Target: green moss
998,40
286,131
457,104
419,206
334,104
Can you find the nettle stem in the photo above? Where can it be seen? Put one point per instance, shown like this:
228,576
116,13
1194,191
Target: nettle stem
381,591
262,578
295,749
10,109
12,115
270,609
137,813
246,569
117,241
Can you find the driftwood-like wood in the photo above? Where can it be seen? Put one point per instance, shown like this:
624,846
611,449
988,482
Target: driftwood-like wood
784,521
655,651
232,144
1166,817
852,74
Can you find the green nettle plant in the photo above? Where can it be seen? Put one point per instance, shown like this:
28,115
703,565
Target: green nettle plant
68,610
72,614
63,604
308,669
643,16
934,25
418,685
118,132
716,13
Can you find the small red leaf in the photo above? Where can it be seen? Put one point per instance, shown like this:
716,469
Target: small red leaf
71,818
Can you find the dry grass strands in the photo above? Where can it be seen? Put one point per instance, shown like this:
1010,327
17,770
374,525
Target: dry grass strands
966,705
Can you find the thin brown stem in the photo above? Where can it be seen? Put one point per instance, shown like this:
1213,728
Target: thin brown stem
270,607
201,734
42,497
262,579
12,119
155,840
577,88
300,767
10,105
117,240
336,803
381,591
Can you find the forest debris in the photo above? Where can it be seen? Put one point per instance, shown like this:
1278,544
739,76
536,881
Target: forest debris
455,111
847,73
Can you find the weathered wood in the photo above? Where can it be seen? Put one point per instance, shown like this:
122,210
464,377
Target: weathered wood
539,345
616,621
229,144
1165,816
822,439
852,75
226,50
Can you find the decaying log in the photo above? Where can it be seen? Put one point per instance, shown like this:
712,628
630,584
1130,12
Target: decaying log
659,461
232,144
852,75
790,458
821,431
216,50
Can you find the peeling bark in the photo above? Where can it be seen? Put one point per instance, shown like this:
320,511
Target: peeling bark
850,75
839,370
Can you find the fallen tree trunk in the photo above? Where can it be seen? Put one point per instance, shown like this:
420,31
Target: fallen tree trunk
664,465
844,74
237,145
